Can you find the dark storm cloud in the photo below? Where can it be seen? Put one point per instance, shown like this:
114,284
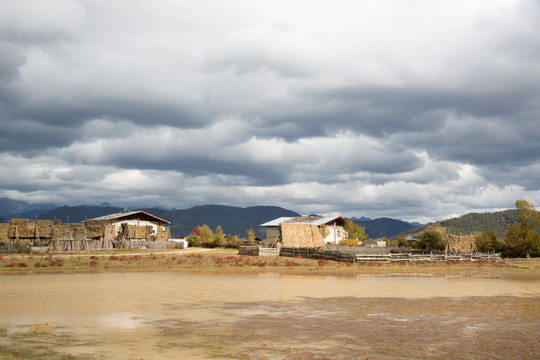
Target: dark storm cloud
10,61
361,108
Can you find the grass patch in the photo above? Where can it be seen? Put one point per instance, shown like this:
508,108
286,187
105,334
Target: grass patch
195,259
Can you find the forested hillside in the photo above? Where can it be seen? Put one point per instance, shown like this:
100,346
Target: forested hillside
496,222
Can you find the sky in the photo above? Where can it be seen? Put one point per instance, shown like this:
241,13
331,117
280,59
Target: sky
420,110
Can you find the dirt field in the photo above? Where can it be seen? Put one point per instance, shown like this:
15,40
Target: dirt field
331,328
388,328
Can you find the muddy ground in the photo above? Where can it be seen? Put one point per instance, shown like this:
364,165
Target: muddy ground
330,328
387,328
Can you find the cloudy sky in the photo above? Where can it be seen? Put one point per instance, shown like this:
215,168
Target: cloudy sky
419,109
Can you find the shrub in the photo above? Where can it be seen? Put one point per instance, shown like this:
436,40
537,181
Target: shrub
192,240
323,262
349,242
290,263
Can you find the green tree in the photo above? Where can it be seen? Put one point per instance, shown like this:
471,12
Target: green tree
207,236
354,231
192,240
250,233
430,240
219,238
522,237
488,242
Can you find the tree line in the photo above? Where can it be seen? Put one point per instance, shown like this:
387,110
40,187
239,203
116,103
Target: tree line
521,240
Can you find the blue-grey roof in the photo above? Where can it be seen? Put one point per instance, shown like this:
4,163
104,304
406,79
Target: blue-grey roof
276,222
302,220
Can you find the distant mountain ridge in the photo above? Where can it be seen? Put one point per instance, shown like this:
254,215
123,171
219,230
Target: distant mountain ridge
12,208
383,227
236,220
233,220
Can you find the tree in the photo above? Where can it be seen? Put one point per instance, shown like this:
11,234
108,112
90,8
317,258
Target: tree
193,240
250,233
219,238
522,237
402,241
488,242
231,241
354,231
430,240
206,236
324,231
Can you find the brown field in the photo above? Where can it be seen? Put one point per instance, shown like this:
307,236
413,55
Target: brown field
227,260
336,328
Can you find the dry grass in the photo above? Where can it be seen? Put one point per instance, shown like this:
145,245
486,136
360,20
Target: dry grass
40,329
223,260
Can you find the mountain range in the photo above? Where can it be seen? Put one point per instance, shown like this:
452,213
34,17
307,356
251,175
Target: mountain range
233,220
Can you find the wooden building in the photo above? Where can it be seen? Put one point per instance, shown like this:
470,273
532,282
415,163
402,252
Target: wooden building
306,231
134,226
106,232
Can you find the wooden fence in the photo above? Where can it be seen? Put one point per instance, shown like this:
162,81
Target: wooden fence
359,254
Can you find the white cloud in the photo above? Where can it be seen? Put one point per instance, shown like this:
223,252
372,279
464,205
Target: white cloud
414,110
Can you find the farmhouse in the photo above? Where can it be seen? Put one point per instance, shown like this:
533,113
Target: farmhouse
134,226
106,232
305,231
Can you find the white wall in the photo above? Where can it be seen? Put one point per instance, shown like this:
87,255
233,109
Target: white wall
118,224
337,233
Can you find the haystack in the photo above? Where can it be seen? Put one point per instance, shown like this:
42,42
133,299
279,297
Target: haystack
77,231
4,231
460,244
140,232
59,230
110,232
94,228
44,229
163,235
21,228
301,236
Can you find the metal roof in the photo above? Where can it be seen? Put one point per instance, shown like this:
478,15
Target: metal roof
276,222
128,214
318,221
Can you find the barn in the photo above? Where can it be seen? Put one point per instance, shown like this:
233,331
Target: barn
135,225
305,231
